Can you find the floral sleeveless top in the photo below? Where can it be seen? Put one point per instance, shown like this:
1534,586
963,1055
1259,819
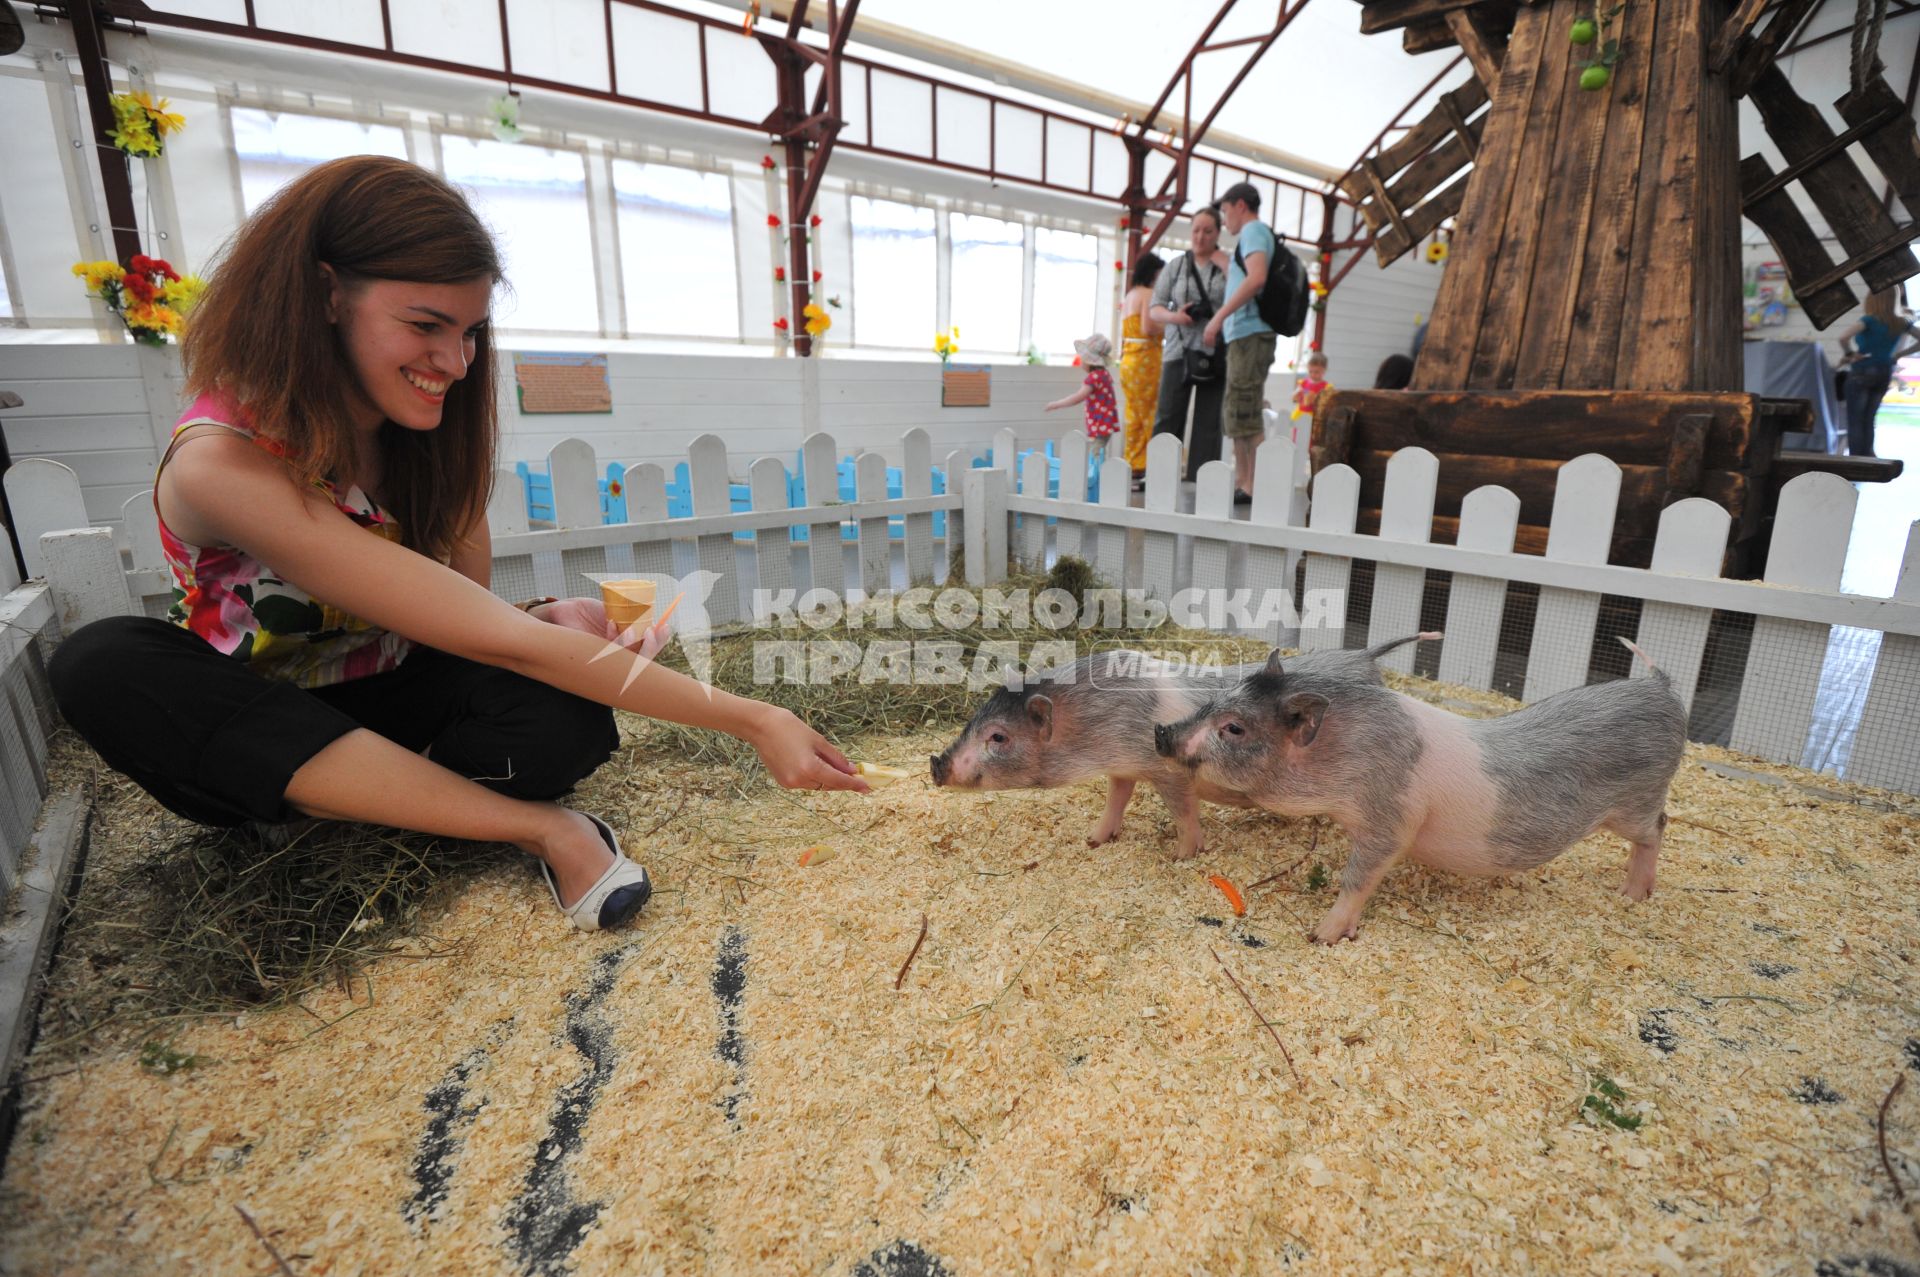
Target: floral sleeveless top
239,606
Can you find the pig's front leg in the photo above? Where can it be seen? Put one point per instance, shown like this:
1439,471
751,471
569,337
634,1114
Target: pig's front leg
1119,794
1372,856
1185,806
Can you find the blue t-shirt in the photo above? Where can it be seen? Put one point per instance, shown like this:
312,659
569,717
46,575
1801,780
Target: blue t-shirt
1875,340
1255,237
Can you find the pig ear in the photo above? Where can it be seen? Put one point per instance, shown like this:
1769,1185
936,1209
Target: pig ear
1303,712
1273,661
1040,714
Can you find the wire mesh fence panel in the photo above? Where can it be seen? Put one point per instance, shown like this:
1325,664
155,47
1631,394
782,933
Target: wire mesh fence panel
1406,514
1886,747
26,721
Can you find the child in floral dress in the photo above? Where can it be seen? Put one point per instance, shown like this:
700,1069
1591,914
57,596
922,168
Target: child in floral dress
1096,391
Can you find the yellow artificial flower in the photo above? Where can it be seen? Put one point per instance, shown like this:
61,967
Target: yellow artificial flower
98,274
817,320
135,138
182,293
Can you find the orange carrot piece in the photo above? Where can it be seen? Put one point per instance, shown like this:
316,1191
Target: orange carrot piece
669,612
818,854
1232,893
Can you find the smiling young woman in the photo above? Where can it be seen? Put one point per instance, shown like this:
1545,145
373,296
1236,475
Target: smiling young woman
333,649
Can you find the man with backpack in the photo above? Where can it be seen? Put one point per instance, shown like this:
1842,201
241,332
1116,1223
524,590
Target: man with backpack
1262,293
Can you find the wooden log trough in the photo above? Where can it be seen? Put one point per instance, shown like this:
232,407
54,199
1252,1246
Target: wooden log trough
1723,446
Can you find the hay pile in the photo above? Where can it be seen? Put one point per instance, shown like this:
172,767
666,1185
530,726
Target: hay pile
1527,1075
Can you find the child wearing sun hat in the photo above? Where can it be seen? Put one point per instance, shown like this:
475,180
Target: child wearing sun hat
1096,391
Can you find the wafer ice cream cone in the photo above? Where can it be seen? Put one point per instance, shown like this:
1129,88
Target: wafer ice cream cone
628,603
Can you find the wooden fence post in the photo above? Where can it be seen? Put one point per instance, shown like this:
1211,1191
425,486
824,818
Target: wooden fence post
84,576
1406,514
1489,518
1586,496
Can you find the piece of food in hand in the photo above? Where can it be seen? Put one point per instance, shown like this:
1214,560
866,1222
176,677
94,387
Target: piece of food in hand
627,602
877,774
818,854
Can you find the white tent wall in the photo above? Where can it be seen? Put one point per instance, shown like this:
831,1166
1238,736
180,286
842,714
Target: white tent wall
1374,313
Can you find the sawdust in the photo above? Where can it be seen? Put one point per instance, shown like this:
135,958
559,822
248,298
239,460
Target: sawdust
1065,1080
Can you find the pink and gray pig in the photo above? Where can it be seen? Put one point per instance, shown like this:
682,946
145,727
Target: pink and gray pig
1322,735
1095,717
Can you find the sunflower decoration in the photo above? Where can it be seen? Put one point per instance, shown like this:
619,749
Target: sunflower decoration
141,125
817,319
151,298
946,345
1437,251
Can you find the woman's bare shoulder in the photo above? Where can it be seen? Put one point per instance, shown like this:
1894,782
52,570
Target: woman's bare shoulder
211,466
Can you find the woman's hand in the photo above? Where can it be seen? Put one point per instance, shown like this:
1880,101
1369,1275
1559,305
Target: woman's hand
589,616
797,756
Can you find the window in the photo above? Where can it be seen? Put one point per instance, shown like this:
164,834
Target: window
894,274
986,282
676,250
535,201
276,148
1066,279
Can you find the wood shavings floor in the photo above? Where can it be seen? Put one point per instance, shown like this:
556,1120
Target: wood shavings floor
1067,1081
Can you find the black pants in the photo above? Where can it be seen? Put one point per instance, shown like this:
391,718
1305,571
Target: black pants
217,743
1866,386
1170,417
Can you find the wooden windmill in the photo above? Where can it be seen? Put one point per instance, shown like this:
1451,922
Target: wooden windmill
1592,297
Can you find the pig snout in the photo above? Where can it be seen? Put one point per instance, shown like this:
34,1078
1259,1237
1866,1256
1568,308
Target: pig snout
941,766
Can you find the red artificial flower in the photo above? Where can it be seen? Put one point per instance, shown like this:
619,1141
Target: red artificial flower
780,274
781,323
773,219
766,161
137,284
1313,345
816,277
140,263
613,488
814,220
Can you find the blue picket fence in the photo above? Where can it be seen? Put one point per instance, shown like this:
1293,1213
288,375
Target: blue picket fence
537,486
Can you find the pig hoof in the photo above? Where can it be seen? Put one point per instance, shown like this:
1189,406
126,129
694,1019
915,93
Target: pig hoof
1332,933
1637,891
1100,837
1188,853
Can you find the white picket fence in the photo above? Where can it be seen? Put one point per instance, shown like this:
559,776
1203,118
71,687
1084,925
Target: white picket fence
1284,539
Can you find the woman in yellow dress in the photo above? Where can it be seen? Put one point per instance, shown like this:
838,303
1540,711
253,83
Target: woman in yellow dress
1140,360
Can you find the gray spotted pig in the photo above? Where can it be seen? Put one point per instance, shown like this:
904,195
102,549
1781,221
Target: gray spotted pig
1095,717
1322,735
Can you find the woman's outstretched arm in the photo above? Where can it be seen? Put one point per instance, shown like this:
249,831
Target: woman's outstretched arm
249,500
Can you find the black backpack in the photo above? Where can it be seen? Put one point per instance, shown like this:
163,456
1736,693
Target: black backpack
1282,301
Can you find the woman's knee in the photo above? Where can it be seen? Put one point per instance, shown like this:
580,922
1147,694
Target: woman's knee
90,665
530,740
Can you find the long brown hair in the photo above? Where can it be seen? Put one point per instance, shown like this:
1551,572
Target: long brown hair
261,338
